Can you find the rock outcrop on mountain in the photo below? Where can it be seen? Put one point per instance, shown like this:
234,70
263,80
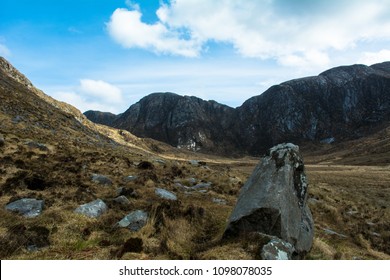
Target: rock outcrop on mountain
342,103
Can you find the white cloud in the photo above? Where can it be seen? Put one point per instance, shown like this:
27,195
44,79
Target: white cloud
101,90
132,5
4,51
92,95
370,58
291,33
126,28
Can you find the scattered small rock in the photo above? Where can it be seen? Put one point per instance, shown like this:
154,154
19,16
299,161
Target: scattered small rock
17,119
36,145
329,140
122,200
373,233
134,221
219,201
28,207
202,186
130,178
277,249
192,181
194,162
331,232
352,212
101,179
160,161
92,209
165,194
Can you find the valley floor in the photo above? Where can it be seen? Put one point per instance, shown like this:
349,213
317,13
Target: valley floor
350,206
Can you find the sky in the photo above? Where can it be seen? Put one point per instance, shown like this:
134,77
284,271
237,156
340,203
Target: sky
107,54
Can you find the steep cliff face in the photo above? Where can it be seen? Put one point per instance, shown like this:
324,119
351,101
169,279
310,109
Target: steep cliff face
342,103
182,121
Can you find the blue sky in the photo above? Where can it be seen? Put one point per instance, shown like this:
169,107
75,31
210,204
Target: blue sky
107,54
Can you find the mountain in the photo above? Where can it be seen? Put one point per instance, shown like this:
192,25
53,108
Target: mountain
340,104
182,121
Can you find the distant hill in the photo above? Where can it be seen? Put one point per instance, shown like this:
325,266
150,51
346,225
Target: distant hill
343,103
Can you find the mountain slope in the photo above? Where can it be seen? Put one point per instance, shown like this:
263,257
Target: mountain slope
340,104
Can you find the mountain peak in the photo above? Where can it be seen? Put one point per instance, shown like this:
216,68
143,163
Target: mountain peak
13,73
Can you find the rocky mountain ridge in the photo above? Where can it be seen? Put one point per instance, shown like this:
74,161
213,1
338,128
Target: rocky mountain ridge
342,103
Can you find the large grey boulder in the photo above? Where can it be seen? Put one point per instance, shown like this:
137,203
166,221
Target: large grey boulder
134,221
28,207
273,200
92,209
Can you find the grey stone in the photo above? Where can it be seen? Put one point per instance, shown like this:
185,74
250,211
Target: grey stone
202,185
274,200
277,249
329,140
92,209
219,201
17,119
130,178
134,221
192,181
165,194
194,162
28,207
160,161
122,200
332,232
101,179
36,145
